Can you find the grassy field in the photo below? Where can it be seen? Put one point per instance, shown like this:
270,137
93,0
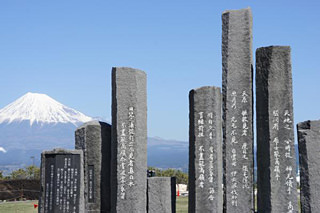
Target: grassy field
27,206
21,206
182,205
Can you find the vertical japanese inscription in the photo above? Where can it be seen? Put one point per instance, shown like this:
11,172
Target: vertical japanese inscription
241,146
205,153
205,161
49,174
276,160
127,153
131,130
237,110
129,140
123,161
62,181
282,169
91,184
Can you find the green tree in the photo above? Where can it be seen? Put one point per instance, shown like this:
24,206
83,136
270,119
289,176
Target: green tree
181,177
1,175
18,174
30,172
33,172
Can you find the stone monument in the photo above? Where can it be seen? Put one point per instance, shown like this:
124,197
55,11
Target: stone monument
94,138
205,150
62,188
309,158
237,110
276,159
129,141
161,194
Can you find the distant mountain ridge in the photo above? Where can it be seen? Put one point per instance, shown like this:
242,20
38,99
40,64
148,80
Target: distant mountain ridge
36,122
164,153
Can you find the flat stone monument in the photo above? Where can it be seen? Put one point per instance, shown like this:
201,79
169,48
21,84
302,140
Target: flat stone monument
309,158
276,159
205,150
94,138
237,110
161,194
129,140
62,188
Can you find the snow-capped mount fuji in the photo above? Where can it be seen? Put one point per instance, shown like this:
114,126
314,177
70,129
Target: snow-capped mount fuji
40,109
33,123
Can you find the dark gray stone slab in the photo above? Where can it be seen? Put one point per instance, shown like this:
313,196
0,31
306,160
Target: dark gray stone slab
205,150
276,159
161,194
237,110
309,158
62,188
129,140
94,138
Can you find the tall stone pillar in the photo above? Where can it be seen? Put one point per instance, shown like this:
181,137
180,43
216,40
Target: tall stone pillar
237,110
94,138
309,158
129,140
205,150
276,159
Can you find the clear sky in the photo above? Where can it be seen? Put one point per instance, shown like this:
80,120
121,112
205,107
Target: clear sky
66,49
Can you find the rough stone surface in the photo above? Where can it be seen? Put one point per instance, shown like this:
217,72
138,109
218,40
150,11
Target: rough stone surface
62,183
161,194
276,159
94,138
205,150
237,110
129,140
309,158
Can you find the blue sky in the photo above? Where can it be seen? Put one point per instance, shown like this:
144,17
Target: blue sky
66,49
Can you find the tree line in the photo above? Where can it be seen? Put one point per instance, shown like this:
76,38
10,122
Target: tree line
33,172
30,172
181,177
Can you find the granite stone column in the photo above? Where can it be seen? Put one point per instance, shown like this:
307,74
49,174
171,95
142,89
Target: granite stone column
237,110
205,150
161,194
94,138
62,187
276,159
309,158
129,140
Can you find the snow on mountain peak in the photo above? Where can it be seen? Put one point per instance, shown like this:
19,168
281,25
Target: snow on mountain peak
40,108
